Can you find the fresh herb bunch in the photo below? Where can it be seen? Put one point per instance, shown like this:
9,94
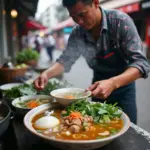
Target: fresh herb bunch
54,84
18,91
28,89
49,87
101,112
27,55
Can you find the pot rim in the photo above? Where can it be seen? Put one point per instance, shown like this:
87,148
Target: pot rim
8,114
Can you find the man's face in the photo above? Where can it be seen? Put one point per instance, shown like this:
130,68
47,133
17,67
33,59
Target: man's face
84,15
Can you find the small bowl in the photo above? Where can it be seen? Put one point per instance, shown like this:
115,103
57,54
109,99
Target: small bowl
9,86
59,95
6,87
22,110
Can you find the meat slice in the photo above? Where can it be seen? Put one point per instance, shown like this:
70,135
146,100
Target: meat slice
66,122
74,129
76,122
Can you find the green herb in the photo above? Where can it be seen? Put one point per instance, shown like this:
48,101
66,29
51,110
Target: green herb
113,131
85,124
105,119
101,137
27,55
18,91
28,89
49,87
101,112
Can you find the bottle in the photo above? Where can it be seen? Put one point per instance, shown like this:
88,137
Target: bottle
8,63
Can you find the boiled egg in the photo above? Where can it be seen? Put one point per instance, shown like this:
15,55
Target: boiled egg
46,122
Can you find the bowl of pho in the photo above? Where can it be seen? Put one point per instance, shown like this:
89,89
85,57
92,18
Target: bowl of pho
66,96
82,125
23,104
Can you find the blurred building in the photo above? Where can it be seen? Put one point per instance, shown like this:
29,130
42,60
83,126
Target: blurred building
48,17
13,16
63,30
54,14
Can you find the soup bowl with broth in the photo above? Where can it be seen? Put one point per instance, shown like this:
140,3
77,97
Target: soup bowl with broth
66,96
22,105
76,127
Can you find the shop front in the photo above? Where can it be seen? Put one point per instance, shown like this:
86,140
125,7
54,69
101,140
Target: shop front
13,14
139,11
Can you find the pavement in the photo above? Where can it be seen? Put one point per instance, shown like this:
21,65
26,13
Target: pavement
81,76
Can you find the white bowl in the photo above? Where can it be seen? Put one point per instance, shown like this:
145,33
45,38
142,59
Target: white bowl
9,86
57,95
71,144
23,111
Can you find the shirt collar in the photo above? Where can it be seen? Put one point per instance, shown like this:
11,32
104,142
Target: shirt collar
104,20
104,26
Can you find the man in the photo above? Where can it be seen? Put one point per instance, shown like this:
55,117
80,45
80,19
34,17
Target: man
37,43
49,43
111,46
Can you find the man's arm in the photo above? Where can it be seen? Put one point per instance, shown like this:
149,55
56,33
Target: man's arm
72,51
102,89
56,70
130,75
131,45
63,63
67,59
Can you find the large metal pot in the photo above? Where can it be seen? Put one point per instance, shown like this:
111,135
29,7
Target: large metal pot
5,113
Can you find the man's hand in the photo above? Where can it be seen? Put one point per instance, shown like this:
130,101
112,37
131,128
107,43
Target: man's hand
53,71
41,81
102,89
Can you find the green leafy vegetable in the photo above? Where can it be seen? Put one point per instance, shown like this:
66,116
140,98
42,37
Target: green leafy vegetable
49,87
18,91
26,55
113,131
28,89
101,112
100,137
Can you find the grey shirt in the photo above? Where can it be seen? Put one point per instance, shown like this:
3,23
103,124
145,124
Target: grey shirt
118,47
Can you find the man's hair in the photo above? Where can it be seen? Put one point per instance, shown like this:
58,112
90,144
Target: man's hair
70,3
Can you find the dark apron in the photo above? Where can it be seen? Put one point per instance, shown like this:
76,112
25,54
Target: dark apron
110,63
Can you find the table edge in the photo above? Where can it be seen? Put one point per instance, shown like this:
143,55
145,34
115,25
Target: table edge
141,131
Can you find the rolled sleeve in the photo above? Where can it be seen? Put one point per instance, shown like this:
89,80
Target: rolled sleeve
71,53
132,46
